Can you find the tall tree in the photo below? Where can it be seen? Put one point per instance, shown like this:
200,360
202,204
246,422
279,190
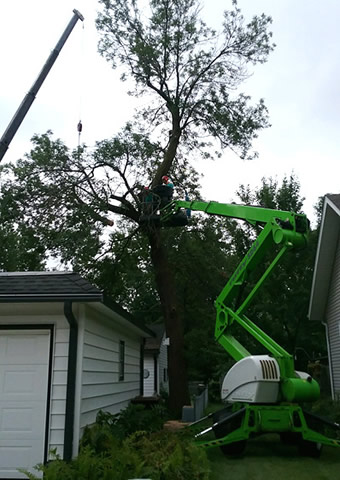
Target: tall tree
189,74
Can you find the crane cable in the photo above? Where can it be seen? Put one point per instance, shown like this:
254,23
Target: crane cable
80,70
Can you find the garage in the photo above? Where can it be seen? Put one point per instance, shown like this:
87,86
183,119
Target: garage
60,363
24,380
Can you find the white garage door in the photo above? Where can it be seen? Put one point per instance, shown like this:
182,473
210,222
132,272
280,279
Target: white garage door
24,359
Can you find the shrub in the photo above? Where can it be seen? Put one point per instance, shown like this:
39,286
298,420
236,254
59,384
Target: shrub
159,455
115,448
117,465
169,456
132,419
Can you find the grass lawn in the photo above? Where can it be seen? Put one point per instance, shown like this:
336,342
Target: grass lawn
266,458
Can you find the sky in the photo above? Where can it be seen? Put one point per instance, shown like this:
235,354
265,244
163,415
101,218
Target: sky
299,83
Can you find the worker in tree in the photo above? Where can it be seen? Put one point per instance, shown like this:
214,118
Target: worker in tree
166,191
166,181
163,193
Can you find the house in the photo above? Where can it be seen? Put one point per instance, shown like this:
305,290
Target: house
325,296
156,363
66,351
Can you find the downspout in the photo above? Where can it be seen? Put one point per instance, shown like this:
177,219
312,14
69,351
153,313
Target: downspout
71,380
329,358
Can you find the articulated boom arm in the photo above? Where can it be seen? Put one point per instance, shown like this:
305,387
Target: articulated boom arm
282,231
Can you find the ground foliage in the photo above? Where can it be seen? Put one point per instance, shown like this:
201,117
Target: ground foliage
114,448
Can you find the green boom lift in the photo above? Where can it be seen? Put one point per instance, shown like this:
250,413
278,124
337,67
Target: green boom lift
263,393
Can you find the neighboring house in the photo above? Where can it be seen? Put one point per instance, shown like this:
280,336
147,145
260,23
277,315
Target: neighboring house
65,353
156,363
325,297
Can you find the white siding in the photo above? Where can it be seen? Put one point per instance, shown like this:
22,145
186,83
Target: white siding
59,383
149,383
163,365
50,314
97,383
100,385
333,320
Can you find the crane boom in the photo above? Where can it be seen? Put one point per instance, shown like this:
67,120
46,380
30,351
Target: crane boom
30,96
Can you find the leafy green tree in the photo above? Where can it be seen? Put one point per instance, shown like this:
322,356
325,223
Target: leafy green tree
189,75
189,70
21,249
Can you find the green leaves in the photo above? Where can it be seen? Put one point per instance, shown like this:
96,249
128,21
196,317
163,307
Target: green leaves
190,71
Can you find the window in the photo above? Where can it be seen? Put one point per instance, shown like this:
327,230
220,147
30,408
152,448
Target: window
121,360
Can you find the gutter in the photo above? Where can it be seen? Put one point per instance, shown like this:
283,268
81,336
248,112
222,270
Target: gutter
71,380
38,298
330,359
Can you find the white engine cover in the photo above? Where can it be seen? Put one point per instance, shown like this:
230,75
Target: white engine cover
254,379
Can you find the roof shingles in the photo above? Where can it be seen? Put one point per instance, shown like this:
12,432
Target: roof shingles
42,284
334,198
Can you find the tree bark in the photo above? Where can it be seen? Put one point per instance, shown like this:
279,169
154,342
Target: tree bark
178,380
170,153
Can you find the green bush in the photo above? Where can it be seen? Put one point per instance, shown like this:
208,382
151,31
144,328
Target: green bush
131,444
115,465
161,456
169,456
132,419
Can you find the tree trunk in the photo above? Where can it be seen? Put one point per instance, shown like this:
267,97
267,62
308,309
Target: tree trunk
178,381
169,155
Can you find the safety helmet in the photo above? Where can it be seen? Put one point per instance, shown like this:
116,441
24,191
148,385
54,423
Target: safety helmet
165,179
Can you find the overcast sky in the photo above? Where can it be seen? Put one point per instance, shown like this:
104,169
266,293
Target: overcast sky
300,85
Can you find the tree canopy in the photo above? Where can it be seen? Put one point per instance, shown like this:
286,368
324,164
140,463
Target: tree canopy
189,71
85,205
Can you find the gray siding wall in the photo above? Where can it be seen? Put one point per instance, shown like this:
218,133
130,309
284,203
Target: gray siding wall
333,320
100,384
24,314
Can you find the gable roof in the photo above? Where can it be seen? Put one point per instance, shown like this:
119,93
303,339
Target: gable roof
46,286
58,287
327,245
153,344
335,199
